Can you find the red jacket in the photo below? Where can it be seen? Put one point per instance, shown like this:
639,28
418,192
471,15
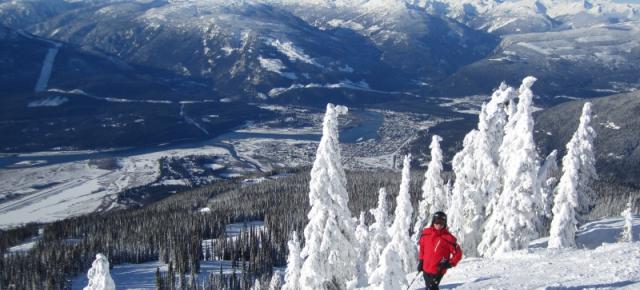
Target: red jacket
436,245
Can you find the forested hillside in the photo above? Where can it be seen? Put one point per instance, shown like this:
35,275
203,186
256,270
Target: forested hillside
171,230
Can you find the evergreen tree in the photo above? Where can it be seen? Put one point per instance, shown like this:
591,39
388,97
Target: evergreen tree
159,282
548,179
434,196
516,223
99,277
477,172
389,274
570,191
171,277
582,142
329,251
401,227
627,214
294,264
276,282
256,285
379,231
362,236
562,233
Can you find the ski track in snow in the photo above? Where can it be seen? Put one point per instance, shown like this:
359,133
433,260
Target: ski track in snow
191,121
47,67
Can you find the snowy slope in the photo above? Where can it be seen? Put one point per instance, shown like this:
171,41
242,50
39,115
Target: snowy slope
599,263
598,60
524,16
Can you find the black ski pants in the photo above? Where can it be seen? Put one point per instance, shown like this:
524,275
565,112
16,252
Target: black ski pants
431,281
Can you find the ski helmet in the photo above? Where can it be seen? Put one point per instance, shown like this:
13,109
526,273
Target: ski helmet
439,217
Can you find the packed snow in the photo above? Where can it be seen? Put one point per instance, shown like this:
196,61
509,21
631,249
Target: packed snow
47,67
26,245
345,84
611,125
48,102
599,262
294,53
270,64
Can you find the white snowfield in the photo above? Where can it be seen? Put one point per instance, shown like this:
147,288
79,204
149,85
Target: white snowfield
53,192
47,68
599,263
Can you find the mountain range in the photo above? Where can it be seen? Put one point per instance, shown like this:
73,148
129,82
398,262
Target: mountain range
162,57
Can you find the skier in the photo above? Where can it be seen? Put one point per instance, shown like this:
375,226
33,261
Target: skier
438,251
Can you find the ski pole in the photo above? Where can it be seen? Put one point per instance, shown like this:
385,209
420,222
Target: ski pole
414,279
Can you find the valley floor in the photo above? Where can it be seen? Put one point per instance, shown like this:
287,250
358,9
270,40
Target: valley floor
47,191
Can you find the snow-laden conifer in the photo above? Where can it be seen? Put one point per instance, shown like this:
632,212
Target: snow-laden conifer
582,144
514,222
627,215
294,264
547,179
562,233
256,285
276,282
389,274
378,231
362,236
99,276
401,227
434,196
329,253
477,172
571,193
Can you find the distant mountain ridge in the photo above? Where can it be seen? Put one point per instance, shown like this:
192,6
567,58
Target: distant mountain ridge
615,120
310,52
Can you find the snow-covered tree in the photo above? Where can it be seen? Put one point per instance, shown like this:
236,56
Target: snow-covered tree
256,285
378,231
547,179
362,236
571,192
477,172
514,222
389,274
434,196
99,277
276,282
401,227
294,264
627,214
582,147
329,252
562,233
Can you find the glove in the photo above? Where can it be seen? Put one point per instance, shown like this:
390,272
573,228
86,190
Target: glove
420,266
445,264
